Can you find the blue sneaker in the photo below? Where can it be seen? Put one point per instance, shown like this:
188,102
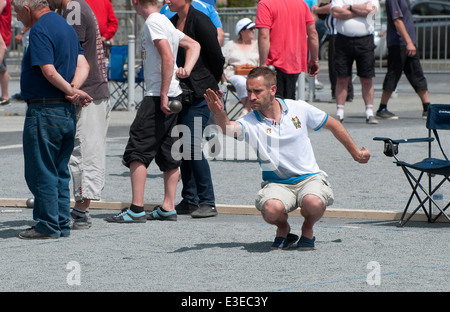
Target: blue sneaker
158,214
284,243
127,216
305,243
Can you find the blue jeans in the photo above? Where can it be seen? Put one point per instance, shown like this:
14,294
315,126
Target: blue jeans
48,140
195,172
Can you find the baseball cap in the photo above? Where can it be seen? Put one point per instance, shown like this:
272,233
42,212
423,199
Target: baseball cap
244,23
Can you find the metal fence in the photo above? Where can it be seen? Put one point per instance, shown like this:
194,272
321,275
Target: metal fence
433,34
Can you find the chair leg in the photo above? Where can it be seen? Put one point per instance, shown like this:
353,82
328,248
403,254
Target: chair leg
414,187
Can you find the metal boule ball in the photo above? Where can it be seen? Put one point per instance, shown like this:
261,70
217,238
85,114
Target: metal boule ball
30,202
175,106
271,67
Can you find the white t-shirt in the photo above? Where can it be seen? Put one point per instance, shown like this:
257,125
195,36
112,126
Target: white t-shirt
284,150
157,26
358,26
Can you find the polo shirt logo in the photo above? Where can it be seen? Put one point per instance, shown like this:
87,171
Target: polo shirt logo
296,122
268,131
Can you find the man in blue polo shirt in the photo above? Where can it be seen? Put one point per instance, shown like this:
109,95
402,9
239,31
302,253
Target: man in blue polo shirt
277,131
52,65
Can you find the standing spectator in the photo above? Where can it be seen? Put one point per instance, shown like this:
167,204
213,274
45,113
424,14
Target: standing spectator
198,190
5,31
287,32
402,57
107,20
3,49
311,4
88,160
205,8
354,42
51,66
240,57
150,132
323,12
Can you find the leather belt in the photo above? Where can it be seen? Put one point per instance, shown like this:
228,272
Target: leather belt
48,101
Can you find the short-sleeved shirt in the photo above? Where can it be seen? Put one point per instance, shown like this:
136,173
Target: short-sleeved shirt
287,22
284,150
52,41
399,9
86,27
205,8
358,26
158,27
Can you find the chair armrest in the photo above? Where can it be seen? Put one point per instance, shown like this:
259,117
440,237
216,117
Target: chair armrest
411,140
391,146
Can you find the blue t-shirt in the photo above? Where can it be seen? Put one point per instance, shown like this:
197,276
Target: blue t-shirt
399,9
211,2
205,8
52,41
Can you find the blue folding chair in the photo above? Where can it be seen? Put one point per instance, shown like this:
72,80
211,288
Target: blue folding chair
117,76
438,119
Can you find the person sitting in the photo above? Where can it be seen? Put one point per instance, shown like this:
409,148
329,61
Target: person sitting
241,56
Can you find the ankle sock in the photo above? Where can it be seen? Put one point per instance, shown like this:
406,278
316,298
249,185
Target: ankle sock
136,209
340,111
425,106
80,211
382,107
369,110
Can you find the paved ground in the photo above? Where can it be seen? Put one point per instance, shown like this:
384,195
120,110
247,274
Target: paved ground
359,248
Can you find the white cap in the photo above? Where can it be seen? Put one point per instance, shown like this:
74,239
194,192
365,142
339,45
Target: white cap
244,23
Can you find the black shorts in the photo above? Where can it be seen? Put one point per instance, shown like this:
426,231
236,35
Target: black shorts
286,85
151,136
359,49
399,62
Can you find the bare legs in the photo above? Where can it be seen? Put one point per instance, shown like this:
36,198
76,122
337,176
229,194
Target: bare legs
312,209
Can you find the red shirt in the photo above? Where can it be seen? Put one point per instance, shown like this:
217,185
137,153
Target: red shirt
107,20
5,23
287,20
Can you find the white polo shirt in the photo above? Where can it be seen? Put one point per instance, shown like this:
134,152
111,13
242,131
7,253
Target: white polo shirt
284,150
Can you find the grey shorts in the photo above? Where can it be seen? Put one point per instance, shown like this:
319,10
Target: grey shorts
292,194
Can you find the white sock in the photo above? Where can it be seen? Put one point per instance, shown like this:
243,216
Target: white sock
340,111
369,110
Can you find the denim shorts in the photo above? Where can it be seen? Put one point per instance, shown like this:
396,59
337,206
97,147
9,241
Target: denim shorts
291,195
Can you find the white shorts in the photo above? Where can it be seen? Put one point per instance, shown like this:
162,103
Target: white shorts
291,195
87,163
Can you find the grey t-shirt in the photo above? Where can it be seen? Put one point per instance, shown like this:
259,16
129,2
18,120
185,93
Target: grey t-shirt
80,15
399,9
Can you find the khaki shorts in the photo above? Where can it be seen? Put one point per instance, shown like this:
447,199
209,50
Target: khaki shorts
292,194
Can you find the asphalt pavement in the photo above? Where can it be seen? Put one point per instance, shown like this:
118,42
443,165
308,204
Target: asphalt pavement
358,246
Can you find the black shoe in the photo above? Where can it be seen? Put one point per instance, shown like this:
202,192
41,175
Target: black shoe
4,102
79,220
158,214
204,211
32,233
185,208
385,114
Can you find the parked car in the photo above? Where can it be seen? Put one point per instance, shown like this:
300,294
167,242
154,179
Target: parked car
432,23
